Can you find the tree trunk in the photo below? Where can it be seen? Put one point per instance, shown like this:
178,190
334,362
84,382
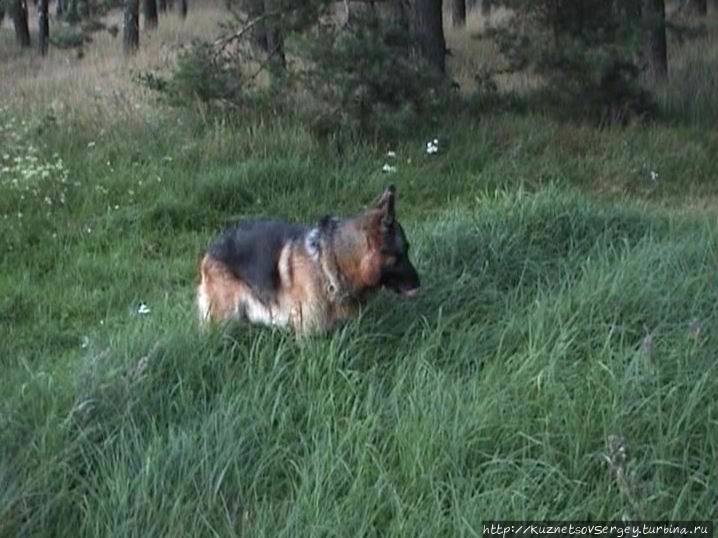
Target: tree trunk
183,8
59,9
19,16
485,8
428,30
274,37
458,13
43,24
131,35
698,7
162,5
258,35
655,48
150,9
73,11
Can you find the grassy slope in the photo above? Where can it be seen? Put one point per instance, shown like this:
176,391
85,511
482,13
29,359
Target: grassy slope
555,325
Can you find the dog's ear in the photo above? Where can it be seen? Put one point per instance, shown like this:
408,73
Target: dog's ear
385,204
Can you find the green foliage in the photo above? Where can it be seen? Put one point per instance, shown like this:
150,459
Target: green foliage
202,75
586,52
68,37
360,78
365,79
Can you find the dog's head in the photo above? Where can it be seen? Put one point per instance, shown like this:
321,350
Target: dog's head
387,261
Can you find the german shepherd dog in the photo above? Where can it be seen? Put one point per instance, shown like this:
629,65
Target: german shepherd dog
306,278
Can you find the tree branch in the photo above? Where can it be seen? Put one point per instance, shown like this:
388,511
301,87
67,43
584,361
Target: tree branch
221,43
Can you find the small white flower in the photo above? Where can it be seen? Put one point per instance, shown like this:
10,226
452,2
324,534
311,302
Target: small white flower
91,145
143,309
432,146
654,175
85,342
388,168
391,154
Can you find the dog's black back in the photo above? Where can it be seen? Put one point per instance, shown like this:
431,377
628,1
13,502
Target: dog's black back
251,251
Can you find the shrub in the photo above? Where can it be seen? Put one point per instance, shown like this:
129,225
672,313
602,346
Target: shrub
360,78
586,52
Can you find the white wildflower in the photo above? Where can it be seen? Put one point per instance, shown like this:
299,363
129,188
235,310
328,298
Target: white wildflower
432,146
388,168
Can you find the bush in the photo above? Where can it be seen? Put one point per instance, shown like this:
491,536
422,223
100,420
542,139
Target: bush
361,78
587,53
365,79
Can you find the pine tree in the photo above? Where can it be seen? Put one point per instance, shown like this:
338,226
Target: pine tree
587,52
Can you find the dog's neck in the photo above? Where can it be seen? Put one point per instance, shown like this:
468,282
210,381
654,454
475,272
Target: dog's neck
337,252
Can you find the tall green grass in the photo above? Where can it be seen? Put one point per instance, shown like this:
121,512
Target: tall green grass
559,362
552,328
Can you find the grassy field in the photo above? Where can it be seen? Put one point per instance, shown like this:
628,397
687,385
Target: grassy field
559,363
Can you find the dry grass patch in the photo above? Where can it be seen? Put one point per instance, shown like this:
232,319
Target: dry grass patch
66,82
